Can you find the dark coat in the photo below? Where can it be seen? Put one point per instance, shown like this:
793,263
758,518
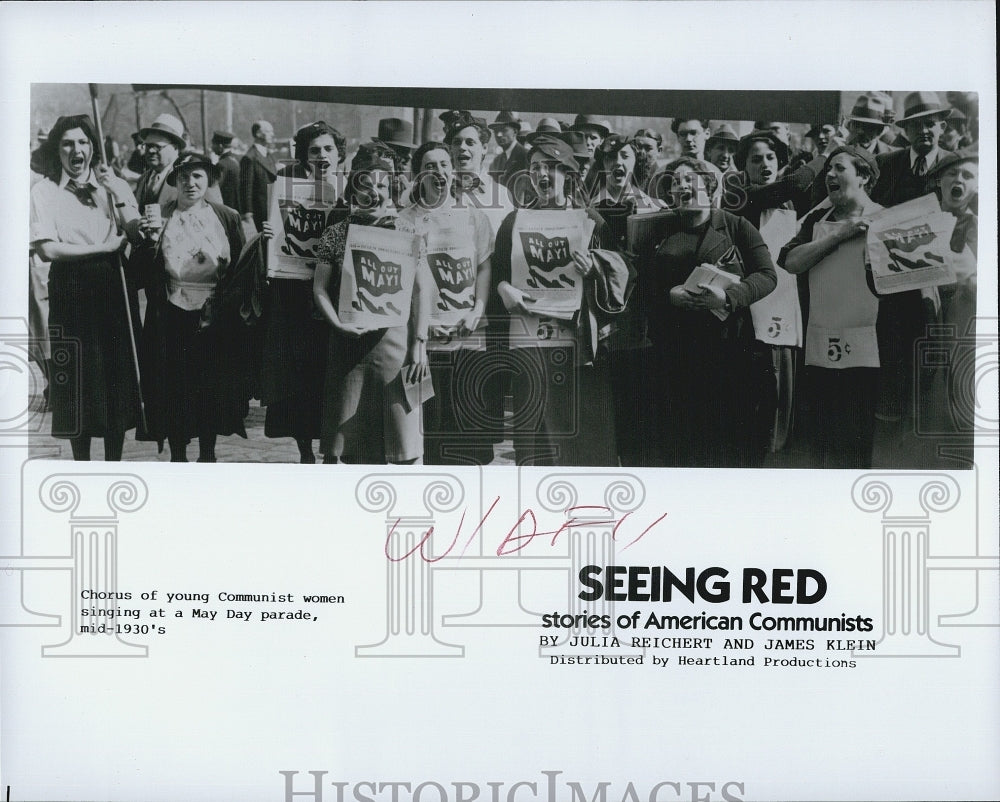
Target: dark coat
503,167
747,201
229,180
257,173
896,182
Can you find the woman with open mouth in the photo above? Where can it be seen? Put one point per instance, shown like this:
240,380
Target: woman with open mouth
563,412
457,245
196,368
78,214
956,181
841,347
615,194
295,338
365,420
707,368
767,195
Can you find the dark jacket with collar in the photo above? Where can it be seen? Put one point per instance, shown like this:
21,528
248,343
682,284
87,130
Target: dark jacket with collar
511,165
896,182
257,173
729,240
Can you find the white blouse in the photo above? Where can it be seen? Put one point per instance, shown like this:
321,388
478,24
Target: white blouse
195,249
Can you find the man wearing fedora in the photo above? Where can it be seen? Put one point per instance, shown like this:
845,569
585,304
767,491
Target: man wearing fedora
258,171
162,142
397,135
870,116
512,157
720,148
903,176
903,173
228,168
868,120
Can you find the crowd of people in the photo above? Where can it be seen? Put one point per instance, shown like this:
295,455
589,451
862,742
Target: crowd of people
688,269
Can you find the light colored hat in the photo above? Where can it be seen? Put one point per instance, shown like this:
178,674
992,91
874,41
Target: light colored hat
167,125
923,104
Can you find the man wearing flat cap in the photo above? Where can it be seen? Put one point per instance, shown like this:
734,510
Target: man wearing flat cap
512,158
228,168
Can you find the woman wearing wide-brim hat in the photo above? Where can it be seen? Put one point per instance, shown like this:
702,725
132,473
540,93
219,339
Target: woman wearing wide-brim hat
562,408
196,372
295,335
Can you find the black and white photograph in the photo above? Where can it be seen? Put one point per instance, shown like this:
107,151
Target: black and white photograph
604,278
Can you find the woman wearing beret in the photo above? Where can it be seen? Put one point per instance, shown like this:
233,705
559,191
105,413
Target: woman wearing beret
707,371
562,394
453,431
841,348
365,419
196,373
615,194
77,213
295,339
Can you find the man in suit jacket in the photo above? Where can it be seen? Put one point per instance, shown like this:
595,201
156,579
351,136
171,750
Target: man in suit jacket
903,173
258,171
903,176
163,142
512,158
228,168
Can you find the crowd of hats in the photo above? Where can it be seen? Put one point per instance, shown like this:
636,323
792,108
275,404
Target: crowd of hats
567,142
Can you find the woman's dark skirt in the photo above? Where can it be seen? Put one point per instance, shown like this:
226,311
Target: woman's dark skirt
716,403
193,379
93,390
294,366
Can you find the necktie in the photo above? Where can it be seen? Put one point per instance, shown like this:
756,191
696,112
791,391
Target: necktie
84,193
920,166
